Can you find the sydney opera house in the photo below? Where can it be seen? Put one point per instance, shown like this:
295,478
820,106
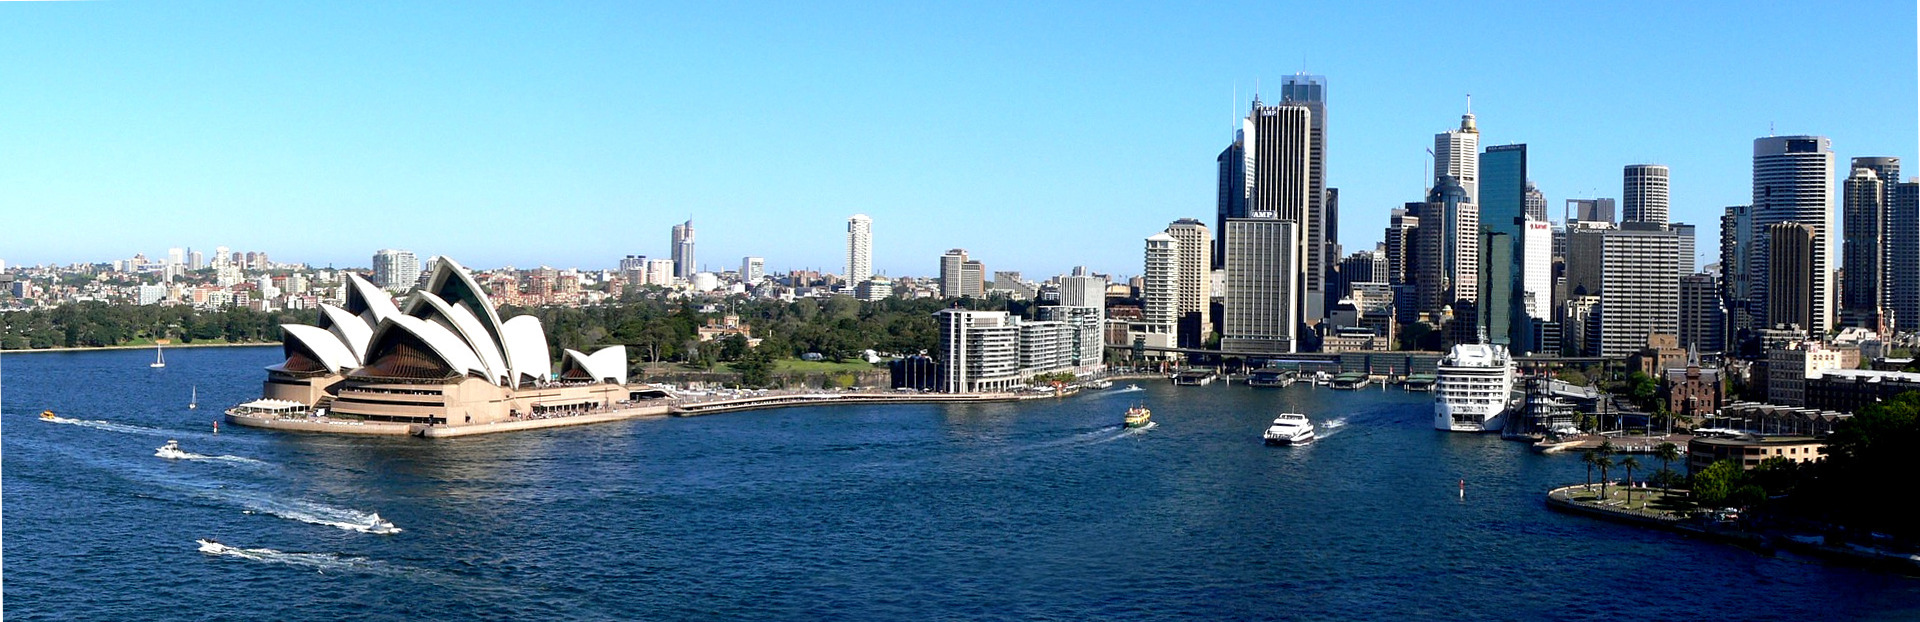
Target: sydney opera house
440,356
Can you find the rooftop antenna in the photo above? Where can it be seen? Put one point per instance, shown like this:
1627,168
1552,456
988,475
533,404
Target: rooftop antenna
1469,103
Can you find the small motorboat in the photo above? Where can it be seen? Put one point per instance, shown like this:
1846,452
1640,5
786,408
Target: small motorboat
48,415
210,546
171,451
1290,429
1139,416
1102,383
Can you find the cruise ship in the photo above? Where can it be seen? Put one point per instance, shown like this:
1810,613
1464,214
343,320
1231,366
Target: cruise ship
1474,389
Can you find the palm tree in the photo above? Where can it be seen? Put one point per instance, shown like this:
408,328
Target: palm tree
1630,463
1591,461
1605,463
1666,453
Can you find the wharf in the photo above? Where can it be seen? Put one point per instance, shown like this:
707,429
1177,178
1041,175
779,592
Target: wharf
757,402
1621,444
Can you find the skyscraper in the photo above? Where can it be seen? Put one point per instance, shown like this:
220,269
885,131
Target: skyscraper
1702,319
1643,194
1160,293
1639,293
1536,275
1277,142
1320,242
1536,203
1446,264
1792,255
1688,255
1232,201
1793,182
1263,280
1402,226
1195,277
395,270
1736,273
859,248
752,269
683,265
1495,305
1503,211
1903,255
1589,210
1456,154
1864,251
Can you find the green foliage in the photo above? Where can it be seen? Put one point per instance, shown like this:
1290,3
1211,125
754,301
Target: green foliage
1712,485
96,324
1867,475
1572,376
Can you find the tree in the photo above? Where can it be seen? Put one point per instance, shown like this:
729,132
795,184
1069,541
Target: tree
1605,463
1591,460
1666,453
1630,463
1712,485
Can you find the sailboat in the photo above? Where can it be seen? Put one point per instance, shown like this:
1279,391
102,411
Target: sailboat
159,359
194,402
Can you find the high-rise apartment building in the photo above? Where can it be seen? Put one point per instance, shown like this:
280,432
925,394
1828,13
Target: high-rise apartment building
960,276
1447,248
1402,226
1195,277
752,270
683,264
1793,182
1083,290
1160,291
1903,255
1864,253
859,248
395,270
1643,195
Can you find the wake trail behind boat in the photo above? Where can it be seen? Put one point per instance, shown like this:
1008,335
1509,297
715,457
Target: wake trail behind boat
108,426
187,455
321,562
314,513
1331,427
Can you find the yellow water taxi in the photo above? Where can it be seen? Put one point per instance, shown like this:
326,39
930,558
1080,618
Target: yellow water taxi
47,415
1138,416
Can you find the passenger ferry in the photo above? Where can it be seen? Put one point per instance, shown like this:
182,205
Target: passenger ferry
1139,416
1290,429
1473,391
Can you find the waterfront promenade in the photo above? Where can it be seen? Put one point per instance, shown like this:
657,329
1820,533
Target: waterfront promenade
689,405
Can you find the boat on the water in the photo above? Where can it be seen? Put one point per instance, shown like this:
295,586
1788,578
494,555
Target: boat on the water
194,401
210,546
1139,416
171,451
1473,389
48,415
1290,429
159,358
1102,383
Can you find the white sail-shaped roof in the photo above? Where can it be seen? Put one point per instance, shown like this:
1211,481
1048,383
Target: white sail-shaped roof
607,365
426,306
452,284
354,331
449,347
324,345
369,301
525,343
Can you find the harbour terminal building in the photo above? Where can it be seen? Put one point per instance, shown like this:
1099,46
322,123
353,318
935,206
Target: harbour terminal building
441,356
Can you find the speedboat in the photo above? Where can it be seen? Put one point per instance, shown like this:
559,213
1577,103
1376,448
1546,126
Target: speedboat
210,546
171,451
1290,429
48,415
1139,416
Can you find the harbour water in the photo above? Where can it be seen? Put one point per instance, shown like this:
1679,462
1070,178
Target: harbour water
1038,510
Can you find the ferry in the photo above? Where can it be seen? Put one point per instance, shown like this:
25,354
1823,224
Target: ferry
1139,416
170,451
1473,391
1290,429
1102,383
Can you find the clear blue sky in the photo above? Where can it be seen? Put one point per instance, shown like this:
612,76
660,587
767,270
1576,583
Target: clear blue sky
1037,135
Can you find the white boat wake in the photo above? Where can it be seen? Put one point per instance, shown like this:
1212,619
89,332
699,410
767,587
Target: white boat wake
187,455
1132,388
107,425
315,513
321,562
1331,427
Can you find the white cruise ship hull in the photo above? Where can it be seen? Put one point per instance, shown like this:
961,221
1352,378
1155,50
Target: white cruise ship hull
1454,418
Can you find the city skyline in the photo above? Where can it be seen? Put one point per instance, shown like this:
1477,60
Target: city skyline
267,118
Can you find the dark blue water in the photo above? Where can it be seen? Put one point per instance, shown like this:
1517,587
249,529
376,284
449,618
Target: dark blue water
1030,511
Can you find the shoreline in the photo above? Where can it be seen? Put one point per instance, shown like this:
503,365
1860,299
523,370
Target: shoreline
261,344
1767,542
